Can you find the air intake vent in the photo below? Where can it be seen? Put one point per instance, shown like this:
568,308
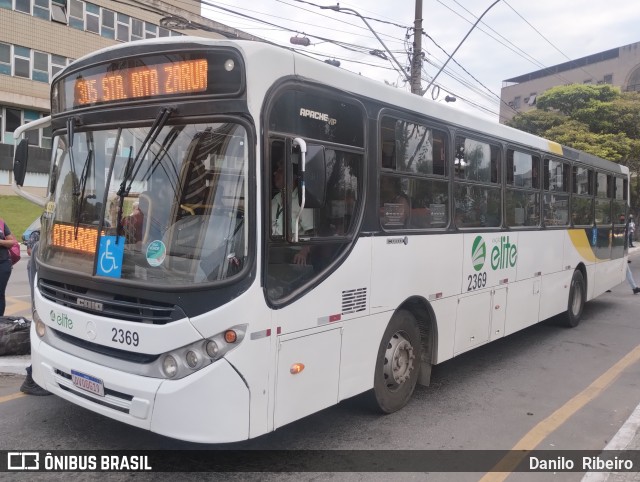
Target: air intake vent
109,305
354,301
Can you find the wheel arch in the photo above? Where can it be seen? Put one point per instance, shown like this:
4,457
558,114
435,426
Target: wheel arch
423,312
583,269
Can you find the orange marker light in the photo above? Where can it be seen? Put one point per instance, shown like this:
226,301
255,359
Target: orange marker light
296,368
230,336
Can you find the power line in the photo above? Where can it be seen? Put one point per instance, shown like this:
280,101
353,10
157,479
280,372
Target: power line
545,38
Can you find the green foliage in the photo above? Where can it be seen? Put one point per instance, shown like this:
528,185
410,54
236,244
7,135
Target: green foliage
598,119
567,99
620,115
615,147
537,121
18,213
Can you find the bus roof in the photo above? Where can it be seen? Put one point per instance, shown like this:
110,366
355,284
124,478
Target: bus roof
363,87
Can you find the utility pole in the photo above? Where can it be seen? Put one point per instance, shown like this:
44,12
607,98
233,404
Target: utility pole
416,62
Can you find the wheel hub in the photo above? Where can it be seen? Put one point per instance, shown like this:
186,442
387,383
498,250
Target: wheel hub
398,361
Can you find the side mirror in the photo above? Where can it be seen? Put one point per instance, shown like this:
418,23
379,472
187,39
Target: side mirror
315,177
20,161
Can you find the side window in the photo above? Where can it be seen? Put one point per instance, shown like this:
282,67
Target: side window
620,200
326,231
522,195
477,193
582,200
555,198
413,184
604,190
285,195
477,161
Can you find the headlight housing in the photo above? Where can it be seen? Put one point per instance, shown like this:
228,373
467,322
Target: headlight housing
188,359
41,328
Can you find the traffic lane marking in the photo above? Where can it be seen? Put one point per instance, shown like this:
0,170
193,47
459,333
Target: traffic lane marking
14,305
13,396
543,429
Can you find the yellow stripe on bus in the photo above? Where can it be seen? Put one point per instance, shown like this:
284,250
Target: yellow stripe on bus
555,148
582,245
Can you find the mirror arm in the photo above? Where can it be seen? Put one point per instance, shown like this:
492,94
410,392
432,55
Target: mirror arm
303,150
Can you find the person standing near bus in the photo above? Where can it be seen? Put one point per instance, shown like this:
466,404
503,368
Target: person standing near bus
7,240
29,386
631,281
632,229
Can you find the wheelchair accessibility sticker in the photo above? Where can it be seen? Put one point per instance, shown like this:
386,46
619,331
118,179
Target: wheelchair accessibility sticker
110,256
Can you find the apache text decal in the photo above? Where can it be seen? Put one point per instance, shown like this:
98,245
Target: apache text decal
312,114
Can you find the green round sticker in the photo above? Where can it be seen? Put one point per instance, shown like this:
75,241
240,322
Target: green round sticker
156,252
478,253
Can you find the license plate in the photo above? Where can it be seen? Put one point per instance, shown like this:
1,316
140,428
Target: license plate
87,383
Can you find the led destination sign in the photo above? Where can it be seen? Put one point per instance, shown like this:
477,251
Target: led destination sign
217,73
182,77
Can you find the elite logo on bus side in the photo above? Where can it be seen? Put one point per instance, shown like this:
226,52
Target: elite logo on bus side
503,255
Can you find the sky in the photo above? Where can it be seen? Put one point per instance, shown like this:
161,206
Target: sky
514,37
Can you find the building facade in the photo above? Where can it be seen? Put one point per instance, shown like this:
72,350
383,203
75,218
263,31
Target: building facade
619,67
38,38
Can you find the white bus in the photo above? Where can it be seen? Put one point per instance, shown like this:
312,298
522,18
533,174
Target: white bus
238,236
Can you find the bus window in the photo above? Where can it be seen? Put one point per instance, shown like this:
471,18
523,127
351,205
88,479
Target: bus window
415,148
556,198
292,265
477,193
603,199
477,161
522,202
476,206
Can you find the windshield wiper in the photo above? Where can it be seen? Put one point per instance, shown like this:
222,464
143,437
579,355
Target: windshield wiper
132,167
86,170
72,163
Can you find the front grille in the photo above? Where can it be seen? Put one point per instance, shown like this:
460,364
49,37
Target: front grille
121,307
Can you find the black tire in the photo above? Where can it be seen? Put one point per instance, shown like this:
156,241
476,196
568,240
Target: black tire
400,345
577,296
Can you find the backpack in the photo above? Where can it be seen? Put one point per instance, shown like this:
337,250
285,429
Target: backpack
14,251
14,336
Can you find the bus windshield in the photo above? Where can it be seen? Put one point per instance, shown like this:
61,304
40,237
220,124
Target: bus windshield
169,200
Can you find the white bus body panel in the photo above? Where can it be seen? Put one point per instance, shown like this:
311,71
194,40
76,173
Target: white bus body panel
203,407
328,335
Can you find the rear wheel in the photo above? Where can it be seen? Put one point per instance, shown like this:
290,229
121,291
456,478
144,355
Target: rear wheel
397,364
577,295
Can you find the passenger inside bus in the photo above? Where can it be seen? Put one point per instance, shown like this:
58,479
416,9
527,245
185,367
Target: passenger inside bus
278,189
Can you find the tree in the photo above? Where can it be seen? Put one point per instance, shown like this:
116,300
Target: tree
567,99
598,119
537,121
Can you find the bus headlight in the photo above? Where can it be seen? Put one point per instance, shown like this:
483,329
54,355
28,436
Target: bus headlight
212,349
184,361
169,366
41,328
192,359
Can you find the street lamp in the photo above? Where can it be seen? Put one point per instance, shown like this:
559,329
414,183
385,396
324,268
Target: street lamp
338,8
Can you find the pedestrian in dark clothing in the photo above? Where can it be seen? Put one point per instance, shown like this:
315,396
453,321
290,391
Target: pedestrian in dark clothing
7,240
29,386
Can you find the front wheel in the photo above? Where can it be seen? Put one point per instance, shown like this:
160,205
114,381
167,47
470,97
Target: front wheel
577,295
398,363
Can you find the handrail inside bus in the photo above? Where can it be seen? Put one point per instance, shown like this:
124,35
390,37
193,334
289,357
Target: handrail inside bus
303,150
